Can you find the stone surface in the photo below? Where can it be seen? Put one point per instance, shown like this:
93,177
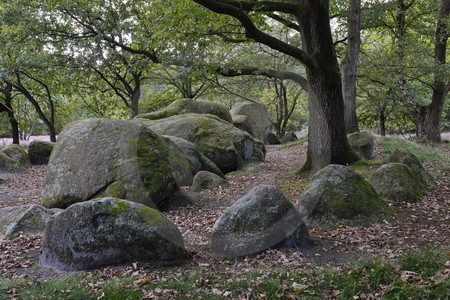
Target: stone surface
17,153
97,158
397,182
109,231
7,164
272,139
185,106
40,151
27,219
338,195
262,219
253,118
198,160
205,180
407,158
228,147
362,142
289,137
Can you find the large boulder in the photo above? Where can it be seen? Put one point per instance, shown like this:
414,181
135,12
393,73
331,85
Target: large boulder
338,195
397,182
407,158
7,164
109,231
29,219
228,147
198,160
289,137
40,151
205,180
97,158
362,142
186,106
272,139
253,118
17,153
260,220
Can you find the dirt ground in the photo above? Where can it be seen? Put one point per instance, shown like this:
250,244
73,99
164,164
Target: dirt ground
425,224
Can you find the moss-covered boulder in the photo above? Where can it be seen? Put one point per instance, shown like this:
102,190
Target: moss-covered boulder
338,195
40,151
7,164
407,158
362,142
289,137
228,147
198,160
205,180
272,139
186,106
17,153
260,220
97,158
29,219
397,182
253,118
109,231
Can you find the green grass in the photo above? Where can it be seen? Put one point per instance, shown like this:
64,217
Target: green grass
424,152
425,279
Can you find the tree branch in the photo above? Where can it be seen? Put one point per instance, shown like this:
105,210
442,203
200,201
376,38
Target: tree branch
225,8
282,75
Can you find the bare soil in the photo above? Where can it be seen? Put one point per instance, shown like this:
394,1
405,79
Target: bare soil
425,224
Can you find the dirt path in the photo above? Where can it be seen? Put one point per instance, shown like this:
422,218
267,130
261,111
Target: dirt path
420,225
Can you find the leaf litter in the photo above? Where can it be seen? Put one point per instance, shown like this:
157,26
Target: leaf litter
425,224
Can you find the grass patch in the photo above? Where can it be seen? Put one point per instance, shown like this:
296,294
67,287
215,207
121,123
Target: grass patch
424,152
418,275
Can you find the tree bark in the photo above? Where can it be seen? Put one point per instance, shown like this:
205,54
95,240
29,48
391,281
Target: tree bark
440,87
382,118
327,139
350,65
7,91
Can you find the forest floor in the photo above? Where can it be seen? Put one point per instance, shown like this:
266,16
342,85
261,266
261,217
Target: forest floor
416,226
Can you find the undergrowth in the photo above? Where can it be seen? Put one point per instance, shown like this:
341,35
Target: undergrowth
417,275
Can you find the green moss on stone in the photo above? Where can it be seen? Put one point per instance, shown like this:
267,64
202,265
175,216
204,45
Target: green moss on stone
151,216
119,208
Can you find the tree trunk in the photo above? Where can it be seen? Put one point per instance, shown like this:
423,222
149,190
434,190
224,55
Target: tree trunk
350,64
421,112
12,118
440,87
382,118
135,101
327,139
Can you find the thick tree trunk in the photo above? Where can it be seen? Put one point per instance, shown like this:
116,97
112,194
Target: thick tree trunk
440,87
327,139
135,101
350,64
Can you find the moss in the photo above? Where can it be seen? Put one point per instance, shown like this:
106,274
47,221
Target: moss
119,208
33,219
151,216
115,190
149,154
